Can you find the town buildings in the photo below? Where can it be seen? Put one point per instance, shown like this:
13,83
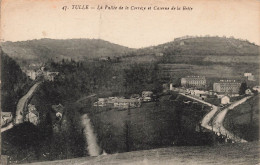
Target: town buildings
194,81
127,103
118,102
226,86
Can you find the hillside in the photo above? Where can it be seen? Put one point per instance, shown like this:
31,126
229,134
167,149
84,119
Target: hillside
244,153
41,50
14,83
205,46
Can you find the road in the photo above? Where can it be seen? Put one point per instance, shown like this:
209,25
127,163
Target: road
206,119
218,121
20,108
217,124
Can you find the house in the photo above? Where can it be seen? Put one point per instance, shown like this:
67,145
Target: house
159,54
196,92
50,75
165,87
219,96
104,59
135,96
147,94
109,100
193,81
127,103
182,43
147,99
203,96
251,78
248,92
171,88
247,74
32,115
58,109
225,100
101,102
6,117
226,87
256,88
31,74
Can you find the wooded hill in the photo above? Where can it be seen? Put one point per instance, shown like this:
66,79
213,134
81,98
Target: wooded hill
40,51
205,46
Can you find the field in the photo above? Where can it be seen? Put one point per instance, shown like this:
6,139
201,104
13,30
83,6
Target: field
228,154
239,121
213,72
153,125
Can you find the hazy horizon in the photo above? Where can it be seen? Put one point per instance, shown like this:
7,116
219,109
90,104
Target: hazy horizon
126,45
27,20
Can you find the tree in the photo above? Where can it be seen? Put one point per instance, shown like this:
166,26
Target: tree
242,88
252,103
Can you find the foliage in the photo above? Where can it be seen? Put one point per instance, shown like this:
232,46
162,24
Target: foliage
14,83
242,88
142,77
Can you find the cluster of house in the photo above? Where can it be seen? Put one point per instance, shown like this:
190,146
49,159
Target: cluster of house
32,115
134,101
34,74
223,89
6,117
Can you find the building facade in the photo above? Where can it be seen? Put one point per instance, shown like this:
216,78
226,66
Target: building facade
193,81
225,100
127,103
227,86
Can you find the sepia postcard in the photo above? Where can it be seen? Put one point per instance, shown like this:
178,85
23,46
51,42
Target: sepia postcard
160,82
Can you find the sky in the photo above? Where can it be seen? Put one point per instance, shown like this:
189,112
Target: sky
35,19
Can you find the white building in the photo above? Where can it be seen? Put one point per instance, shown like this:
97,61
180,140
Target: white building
257,88
31,74
225,100
247,74
248,92
171,88
127,103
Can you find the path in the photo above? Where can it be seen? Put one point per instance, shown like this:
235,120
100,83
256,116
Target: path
20,107
218,121
206,120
